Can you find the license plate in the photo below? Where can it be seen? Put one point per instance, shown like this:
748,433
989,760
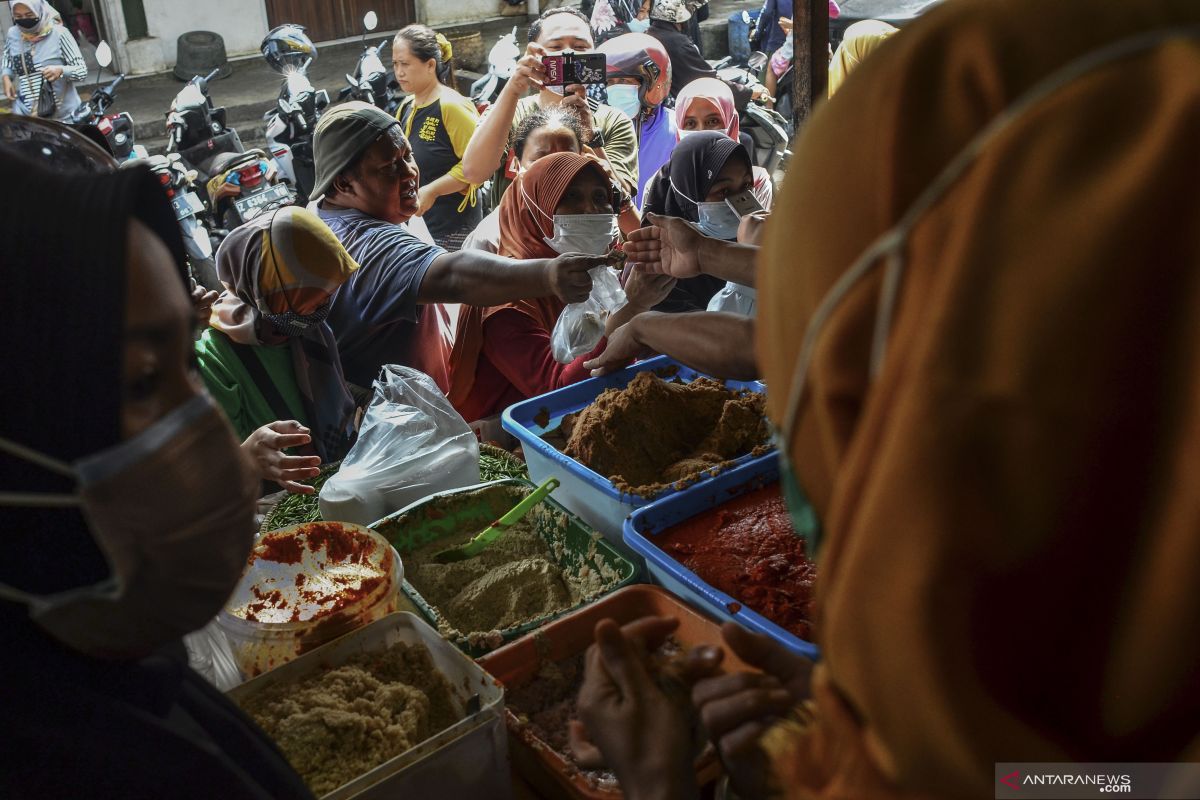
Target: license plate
186,205
250,207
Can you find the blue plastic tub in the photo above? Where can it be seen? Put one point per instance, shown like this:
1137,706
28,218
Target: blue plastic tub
588,494
646,523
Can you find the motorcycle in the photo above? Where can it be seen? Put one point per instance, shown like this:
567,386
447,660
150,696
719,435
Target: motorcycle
502,62
770,129
117,129
196,128
245,186
179,183
372,82
291,123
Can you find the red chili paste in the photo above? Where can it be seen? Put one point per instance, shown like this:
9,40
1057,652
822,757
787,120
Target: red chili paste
339,543
748,549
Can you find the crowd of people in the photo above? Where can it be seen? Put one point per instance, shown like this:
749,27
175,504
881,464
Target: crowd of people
975,304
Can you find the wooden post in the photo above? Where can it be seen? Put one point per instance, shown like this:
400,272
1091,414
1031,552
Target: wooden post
810,36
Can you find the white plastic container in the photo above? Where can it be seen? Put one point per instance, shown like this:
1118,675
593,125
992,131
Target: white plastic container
468,759
306,585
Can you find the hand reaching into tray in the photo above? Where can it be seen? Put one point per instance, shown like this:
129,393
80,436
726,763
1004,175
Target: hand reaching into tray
738,708
628,722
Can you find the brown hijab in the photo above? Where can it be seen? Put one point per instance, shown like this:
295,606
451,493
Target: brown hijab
1012,523
526,216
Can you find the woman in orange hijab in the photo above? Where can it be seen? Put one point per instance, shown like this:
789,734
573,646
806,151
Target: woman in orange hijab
987,382
563,203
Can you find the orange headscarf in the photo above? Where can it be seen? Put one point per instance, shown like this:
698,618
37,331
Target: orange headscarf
1010,505
526,216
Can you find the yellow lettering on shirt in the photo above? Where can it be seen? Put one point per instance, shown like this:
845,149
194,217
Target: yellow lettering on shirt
429,129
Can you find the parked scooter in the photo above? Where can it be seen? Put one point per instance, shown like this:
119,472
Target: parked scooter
291,123
179,183
372,82
244,186
196,129
770,129
502,62
117,129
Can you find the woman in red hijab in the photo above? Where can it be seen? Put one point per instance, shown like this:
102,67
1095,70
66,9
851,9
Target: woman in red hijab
564,203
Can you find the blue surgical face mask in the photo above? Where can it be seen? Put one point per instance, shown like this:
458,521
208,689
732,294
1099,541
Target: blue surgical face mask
636,25
626,98
717,219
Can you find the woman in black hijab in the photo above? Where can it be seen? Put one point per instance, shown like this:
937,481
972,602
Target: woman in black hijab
706,167
107,449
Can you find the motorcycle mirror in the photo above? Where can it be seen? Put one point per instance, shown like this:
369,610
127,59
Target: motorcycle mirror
103,54
370,20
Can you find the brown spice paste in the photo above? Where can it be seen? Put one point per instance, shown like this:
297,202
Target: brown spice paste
343,721
655,434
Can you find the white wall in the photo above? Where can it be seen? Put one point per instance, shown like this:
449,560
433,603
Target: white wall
241,23
442,12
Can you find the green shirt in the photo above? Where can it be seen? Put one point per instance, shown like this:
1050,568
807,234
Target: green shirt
230,383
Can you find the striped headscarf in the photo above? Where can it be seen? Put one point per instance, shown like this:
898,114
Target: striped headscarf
280,273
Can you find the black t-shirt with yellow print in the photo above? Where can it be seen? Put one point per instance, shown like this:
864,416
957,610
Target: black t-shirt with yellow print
438,134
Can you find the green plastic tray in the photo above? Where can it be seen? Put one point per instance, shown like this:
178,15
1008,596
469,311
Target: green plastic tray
477,507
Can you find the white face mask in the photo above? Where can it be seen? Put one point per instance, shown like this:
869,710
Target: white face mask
589,234
172,509
626,98
717,219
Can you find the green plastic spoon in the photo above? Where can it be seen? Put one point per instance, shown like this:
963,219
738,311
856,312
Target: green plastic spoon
497,528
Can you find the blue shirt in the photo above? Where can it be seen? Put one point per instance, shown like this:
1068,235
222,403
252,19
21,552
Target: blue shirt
375,315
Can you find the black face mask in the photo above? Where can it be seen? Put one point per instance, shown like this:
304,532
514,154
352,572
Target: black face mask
27,23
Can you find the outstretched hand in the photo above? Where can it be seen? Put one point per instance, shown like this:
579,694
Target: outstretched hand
568,277
670,246
266,448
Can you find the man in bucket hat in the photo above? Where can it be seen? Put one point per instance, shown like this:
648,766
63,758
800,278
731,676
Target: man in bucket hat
390,311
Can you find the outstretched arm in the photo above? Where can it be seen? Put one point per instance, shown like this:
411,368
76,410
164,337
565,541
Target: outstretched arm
480,278
717,344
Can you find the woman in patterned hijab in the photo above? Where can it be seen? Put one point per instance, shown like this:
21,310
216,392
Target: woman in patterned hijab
269,354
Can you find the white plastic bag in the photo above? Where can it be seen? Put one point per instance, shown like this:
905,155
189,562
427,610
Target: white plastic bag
209,654
580,326
735,298
412,443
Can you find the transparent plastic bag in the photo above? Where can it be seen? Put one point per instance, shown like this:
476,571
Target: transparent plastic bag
412,443
209,654
580,326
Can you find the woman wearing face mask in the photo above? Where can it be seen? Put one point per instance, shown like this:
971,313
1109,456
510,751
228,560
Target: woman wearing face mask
561,204
612,18
705,169
269,354
37,49
706,104
545,131
126,505
438,123
639,79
